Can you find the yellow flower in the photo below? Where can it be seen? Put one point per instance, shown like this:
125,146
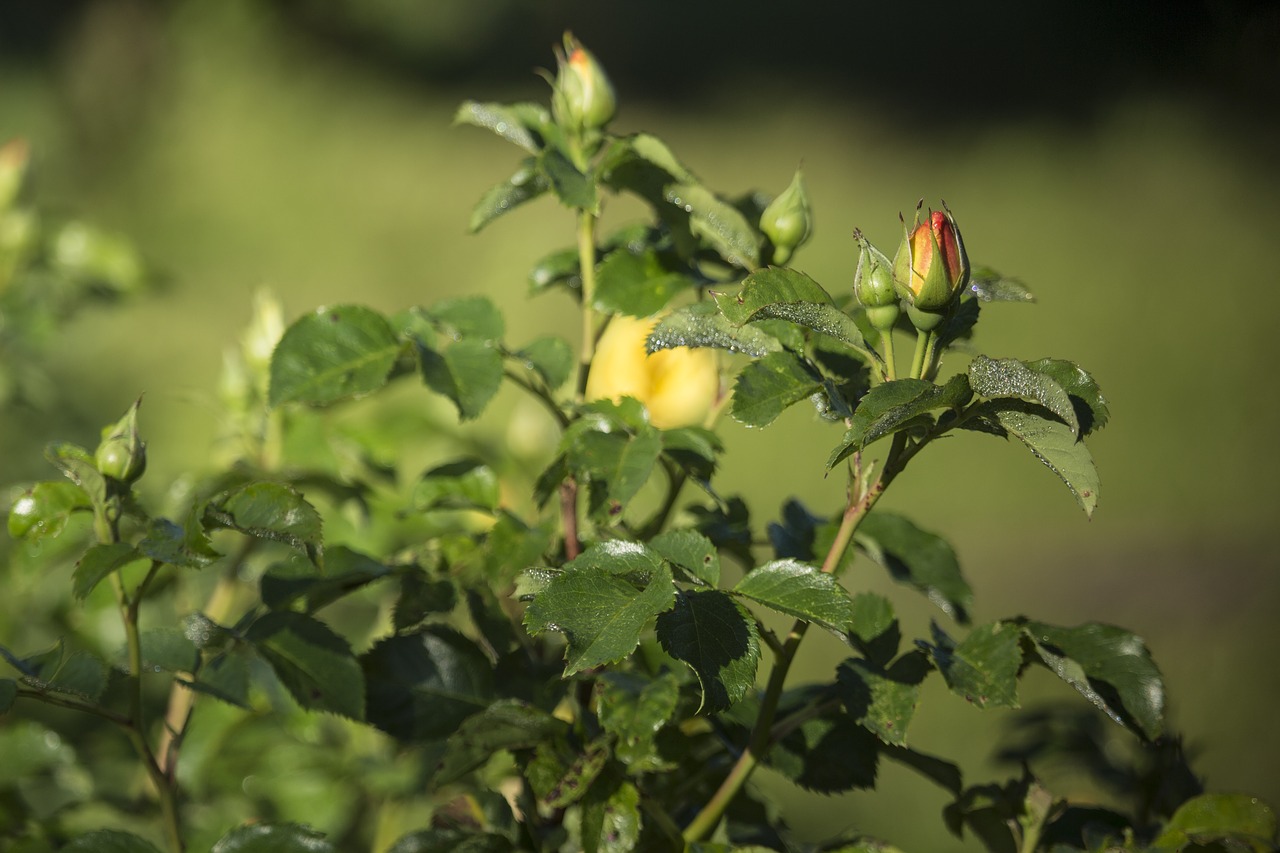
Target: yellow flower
678,386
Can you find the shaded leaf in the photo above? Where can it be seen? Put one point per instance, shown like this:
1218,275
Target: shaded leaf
422,686
8,694
827,754
874,629
226,677
690,551
983,669
799,590
1110,666
451,841
717,222
633,709
109,841
99,563
891,406
636,284
332,354
506,724
468,372
917,558
1238,818
572,187
188,547
78,466
703,325
717,638
287,582
268,511
169,649
1092,411
769,385
559,267
551,358
273,838
420,597
611,818
525,185
314,664
1010,378
474,317
884,701
462,484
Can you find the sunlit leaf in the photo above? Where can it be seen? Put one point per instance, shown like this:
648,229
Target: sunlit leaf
1008,377
892,406
983,669
1239,820
332,354
690,551
703,325
799,590
268,511
718,223
515,123
99,563
769,385
273,838
468,372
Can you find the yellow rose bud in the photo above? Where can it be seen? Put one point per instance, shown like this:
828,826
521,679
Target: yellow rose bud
678,386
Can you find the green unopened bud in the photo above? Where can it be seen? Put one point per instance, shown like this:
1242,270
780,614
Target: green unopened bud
122,454
582,96
931,267
15,157
873,285
788,221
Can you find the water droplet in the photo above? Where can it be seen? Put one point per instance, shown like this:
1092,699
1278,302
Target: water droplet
500,127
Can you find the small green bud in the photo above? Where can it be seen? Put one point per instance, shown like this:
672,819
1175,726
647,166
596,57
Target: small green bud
122,454
931,267
582,97
788,220
873,285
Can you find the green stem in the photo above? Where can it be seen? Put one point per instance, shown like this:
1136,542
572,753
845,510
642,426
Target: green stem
762,736
918,359
890,365
931,357
541,395
587,265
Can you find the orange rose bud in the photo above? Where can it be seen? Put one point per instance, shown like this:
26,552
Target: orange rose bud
931,267
582,95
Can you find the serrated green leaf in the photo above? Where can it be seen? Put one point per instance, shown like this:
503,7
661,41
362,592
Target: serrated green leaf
695,451
333,354
892,406
1055,445
778,293
451,841
1010,378
226,677
990,286
169,649
800,590
636,284
1092,411
550,357
983,669
44,510
268,511
515,123
99,563
474,317
79,673
187,547
692,552
632,560
273,838
611,818
917,558
422,686
297,579
600,613
109,841
648,149
617,462
1110,666
468,372
462,484
884,701
314,664
524,186
769,385
634,709
506,724
874,628
8,694
419,598
703,325
559,267
717,638
1241,820
717,222
572,187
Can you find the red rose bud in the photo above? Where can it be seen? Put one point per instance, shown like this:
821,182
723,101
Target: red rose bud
931,267
582,96
788,221
873,285
122,454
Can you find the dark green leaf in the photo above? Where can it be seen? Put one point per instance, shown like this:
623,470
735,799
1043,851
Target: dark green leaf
109,841
8,693
636,284
942,773
1110,666
917,558
1239,818
799,590
451,841
1010,378
79,673
874,629
175,545
474,317
989,286
421,687
703,325
718,223
169,649
463,484
827,754
314,664
695,451
299,579
332,354
634,709
892,406
572,781
273,838
572,187
513,122
692,552
717,638
769,385
1054,444
983,669
525,185
551,358
44,510
420,597
506,724
883,700
1091,407
468,372
600,613
611,818
268,511
560,267
787,294
226,677
99,562
616,462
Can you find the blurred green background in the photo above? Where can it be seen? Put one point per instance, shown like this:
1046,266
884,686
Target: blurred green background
1119,158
